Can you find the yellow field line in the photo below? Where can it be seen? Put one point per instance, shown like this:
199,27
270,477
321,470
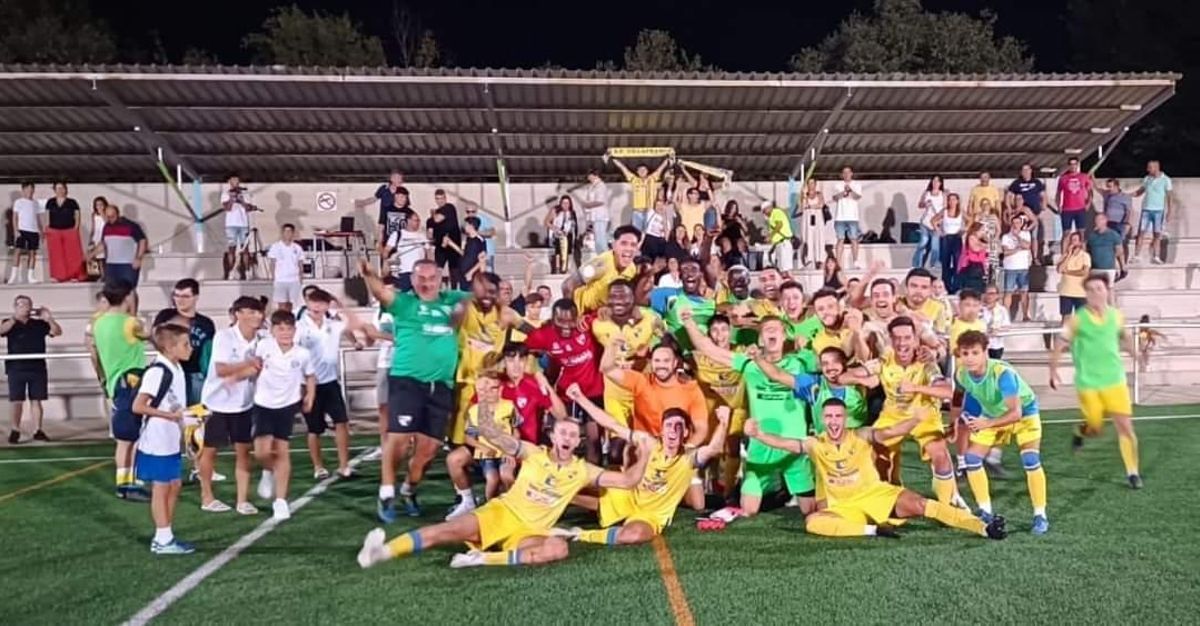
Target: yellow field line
53,481
674,589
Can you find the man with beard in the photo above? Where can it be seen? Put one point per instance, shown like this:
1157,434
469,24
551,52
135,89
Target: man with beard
588,286
480,337
918,304
744,310
794,309
775,407
839,329
670,301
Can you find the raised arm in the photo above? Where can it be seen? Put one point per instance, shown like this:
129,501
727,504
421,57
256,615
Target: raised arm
795,446
606,421
557,408
621,166
774,373
383,293
632,475
879,435
702,343
502,441
716,446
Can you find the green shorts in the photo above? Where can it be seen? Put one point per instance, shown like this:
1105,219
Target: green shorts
797,473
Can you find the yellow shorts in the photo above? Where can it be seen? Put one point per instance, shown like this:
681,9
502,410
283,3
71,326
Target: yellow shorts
737,418
500,528
1027,430
619,506
1096,403
621,409
873,506
927,431
458,426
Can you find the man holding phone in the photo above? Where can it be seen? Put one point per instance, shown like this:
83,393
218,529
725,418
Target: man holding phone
26,332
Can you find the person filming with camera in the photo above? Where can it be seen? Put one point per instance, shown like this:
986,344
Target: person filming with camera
236,201
26,333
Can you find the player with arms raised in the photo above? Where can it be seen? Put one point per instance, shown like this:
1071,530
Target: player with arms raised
588,287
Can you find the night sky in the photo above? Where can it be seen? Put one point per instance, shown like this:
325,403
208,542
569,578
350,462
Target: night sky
734,35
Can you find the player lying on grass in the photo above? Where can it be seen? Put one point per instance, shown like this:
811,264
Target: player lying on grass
859,503
637,515
518,523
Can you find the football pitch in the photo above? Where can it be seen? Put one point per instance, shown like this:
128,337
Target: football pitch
74,554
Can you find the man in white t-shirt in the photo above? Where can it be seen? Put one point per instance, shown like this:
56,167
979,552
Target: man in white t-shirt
27,234
286,258
595,202
235,199
382,333
404,248
285,369
846,194
228,395
1016,246
321,334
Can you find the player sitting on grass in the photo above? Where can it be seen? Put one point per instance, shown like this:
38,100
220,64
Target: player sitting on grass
497,469
997,406
858,501
520,522
638,515
161,398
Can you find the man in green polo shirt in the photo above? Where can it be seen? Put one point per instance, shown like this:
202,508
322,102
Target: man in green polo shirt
421,380
120,343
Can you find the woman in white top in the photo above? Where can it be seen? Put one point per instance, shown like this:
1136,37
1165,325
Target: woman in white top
932,202
99,204
949,226
812,225
562,224
654,237
670,276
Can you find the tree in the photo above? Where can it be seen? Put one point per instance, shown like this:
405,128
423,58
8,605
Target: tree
416,45
29,24
292,37
657,51
902,37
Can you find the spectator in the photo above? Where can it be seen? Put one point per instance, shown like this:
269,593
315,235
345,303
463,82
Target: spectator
654,243
236,201
989,222
1074,196
99,204
1118,208
1107,249
563,228
846,195
932,203
1156,209
124,244
64,247
201,331
698,238
995,316
393,215
27,231
595,205
385,195
733,227
473,251
286,257
1073,268
643,186
1016,246
1033,195
833,278
405,248
973,260
443,222
756,226
780,228
708,189
949,225
487,230
679,246
812,225
670,276
691,210
26,332
983,192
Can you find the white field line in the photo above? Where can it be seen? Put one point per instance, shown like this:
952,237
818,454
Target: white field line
64,459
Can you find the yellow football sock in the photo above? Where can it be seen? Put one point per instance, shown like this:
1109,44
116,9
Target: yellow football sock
606,536
978,480
508,557
832,526
124,476
1129,453
404,545
944,488
954,516
1037,489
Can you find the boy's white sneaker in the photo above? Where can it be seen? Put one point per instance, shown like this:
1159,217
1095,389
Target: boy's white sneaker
280,510
466,559
266,485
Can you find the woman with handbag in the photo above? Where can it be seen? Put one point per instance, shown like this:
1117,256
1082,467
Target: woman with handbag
95,264
812,225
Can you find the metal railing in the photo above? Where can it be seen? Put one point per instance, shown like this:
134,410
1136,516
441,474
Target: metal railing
1020,332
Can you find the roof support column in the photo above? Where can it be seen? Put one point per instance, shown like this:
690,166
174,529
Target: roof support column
155,143
813,150
501,165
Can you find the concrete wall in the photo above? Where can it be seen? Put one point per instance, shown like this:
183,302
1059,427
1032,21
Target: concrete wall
168,223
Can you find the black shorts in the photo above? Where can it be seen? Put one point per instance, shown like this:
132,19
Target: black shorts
29,385
275,423
419,407
576,411
27,240
327,401
996,353
221,429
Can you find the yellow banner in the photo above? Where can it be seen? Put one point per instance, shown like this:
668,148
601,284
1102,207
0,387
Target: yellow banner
640,153
715,172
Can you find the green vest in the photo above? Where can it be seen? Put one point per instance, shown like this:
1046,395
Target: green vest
1096,349
117,354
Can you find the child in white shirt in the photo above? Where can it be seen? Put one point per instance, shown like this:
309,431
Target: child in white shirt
286,257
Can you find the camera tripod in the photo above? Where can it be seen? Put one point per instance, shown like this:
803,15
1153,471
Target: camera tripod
245,258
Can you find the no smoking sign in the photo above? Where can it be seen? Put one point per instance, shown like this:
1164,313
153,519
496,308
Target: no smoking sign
326,201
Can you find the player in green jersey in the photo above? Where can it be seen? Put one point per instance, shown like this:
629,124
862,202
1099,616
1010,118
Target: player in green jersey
836,380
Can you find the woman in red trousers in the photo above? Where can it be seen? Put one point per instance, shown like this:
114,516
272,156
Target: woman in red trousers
63,240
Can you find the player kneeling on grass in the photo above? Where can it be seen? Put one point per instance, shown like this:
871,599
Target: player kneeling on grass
498,469
998,406
284,369
644,511
520,522
858,501
161,398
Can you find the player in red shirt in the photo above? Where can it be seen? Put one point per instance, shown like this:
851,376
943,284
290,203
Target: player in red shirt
1074,196
531,394
575,354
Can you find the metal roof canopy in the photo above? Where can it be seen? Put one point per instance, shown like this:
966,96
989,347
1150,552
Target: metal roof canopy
322,124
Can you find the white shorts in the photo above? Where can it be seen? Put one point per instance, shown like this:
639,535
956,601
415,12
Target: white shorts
381,386
287,292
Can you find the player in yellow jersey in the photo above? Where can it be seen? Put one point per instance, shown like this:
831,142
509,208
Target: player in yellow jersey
910,384
919,304
518,524
859,503
480,337
631,332
839,328
496,468
723,387
588,286
637,515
